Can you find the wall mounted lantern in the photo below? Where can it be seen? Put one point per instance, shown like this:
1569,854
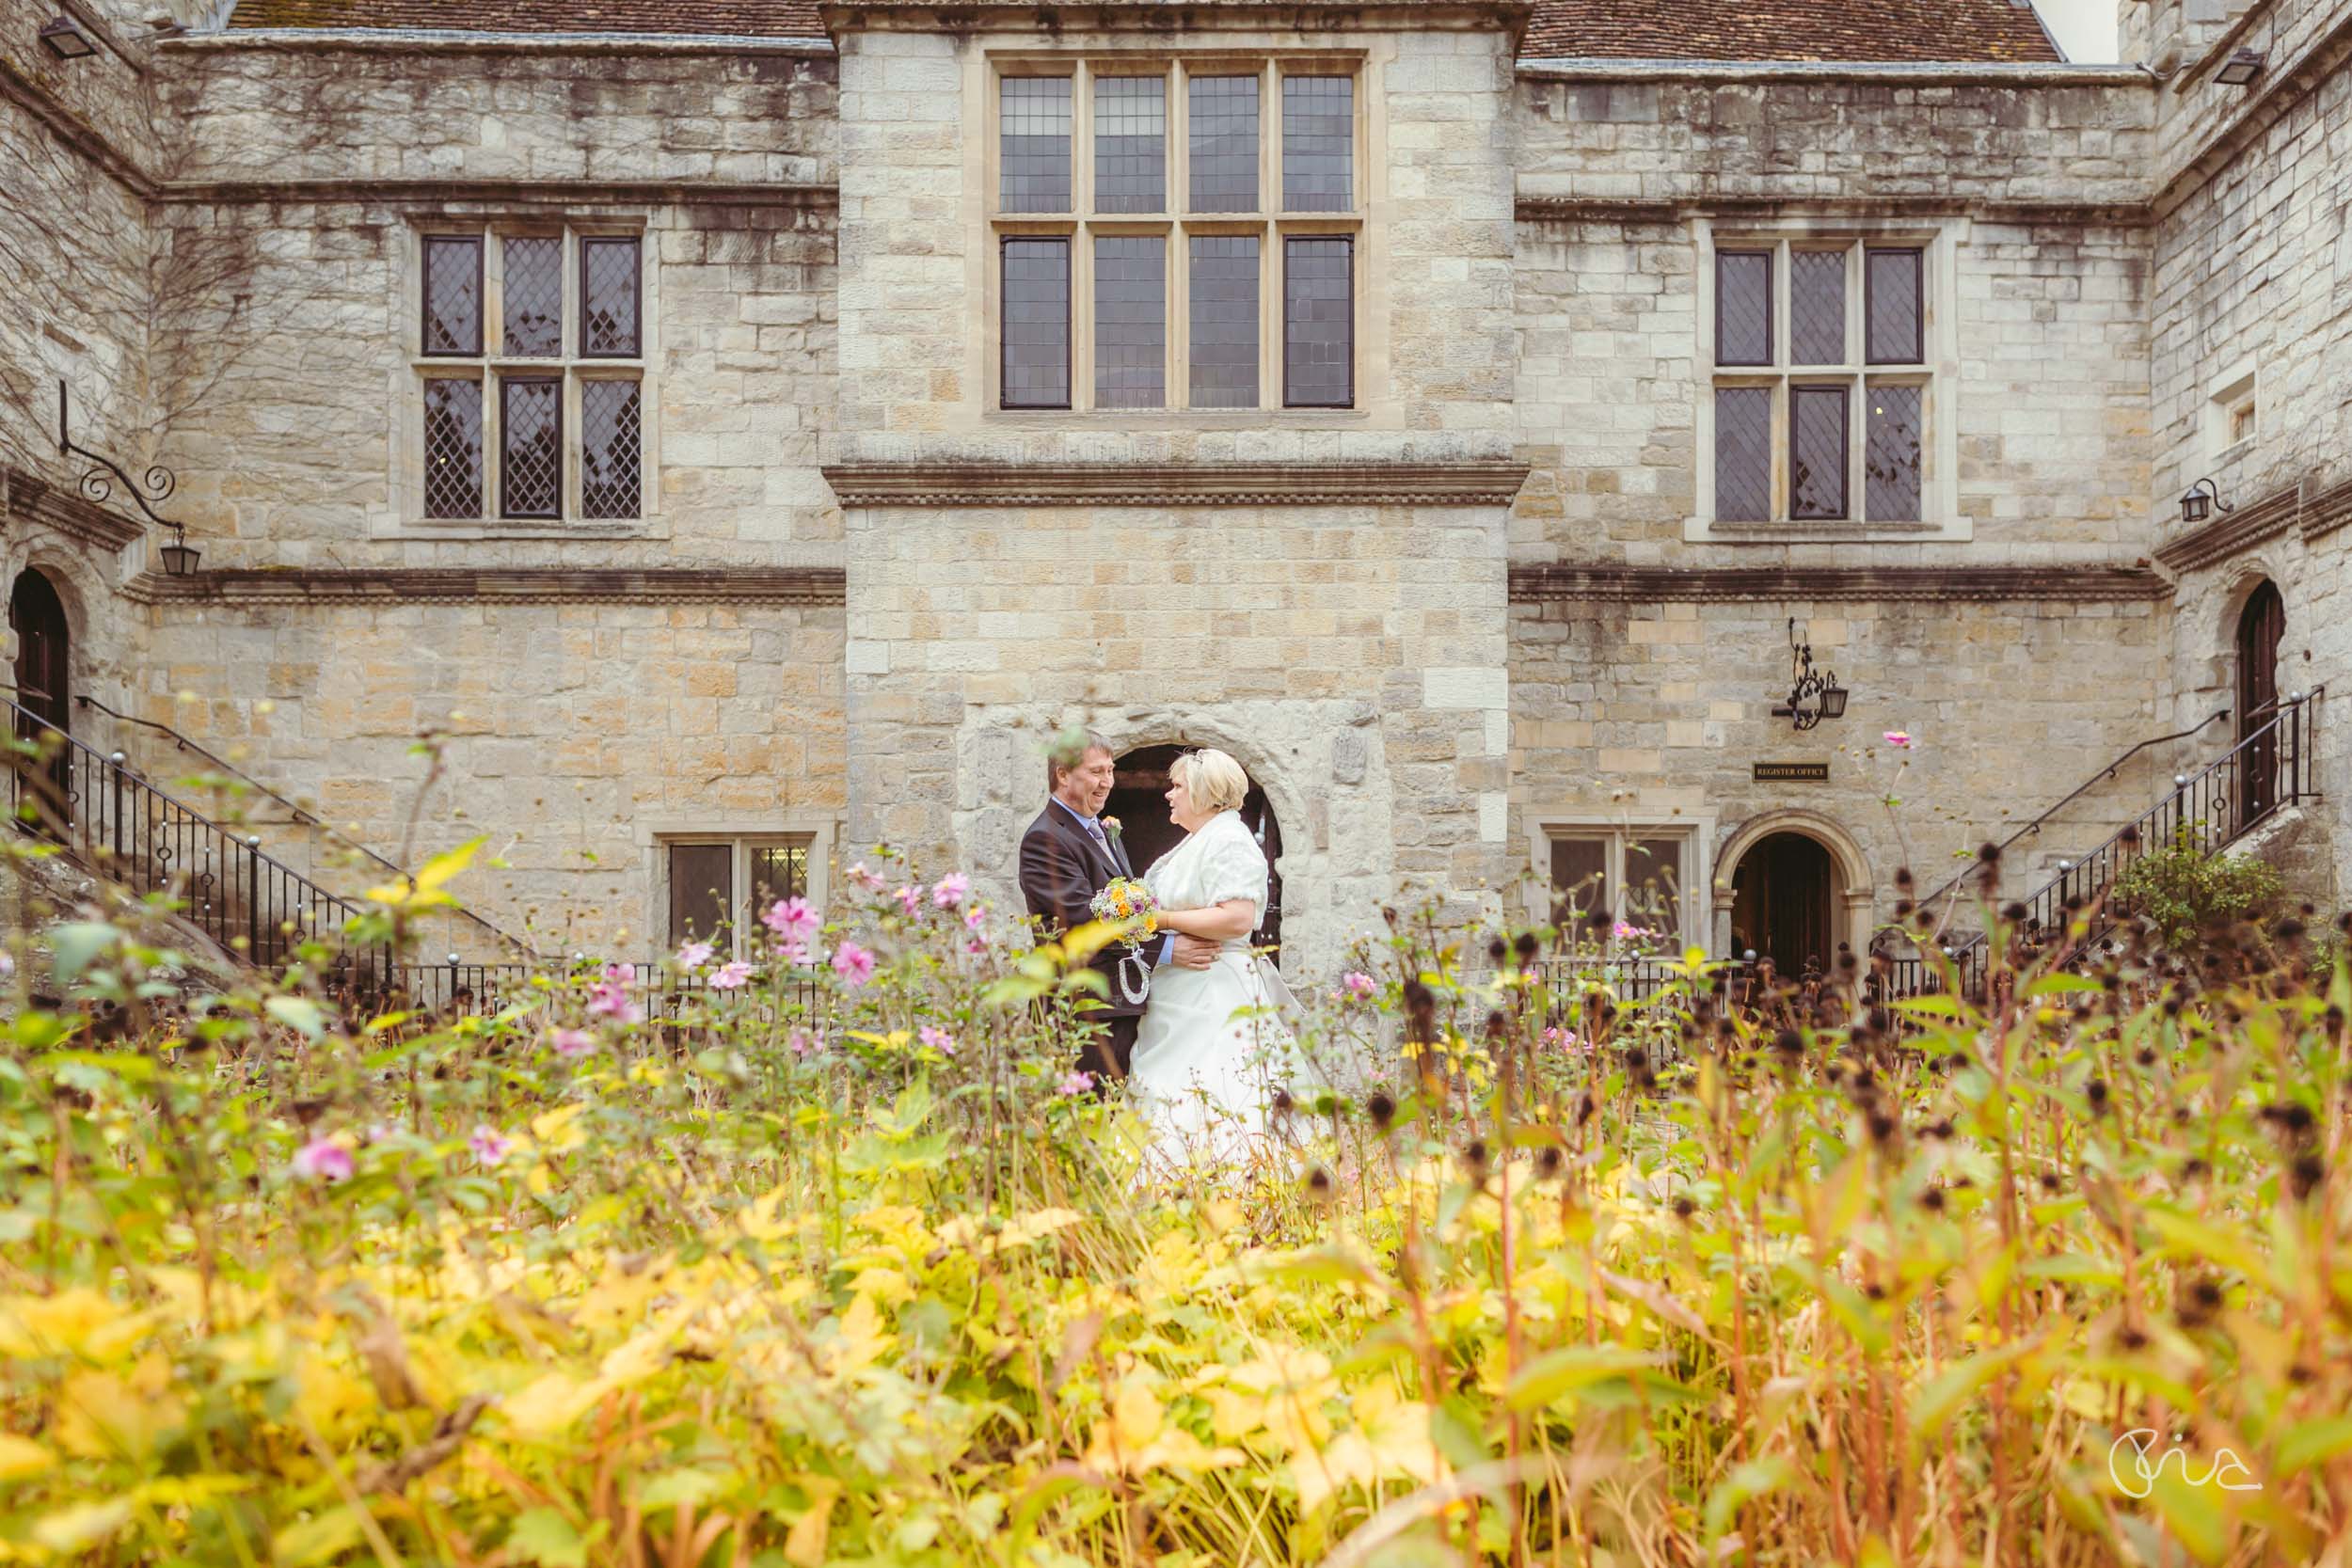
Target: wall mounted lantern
2241,68
2198,501
64,39
159,483
1812,697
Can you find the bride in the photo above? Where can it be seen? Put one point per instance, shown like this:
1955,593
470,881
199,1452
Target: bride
1201,1075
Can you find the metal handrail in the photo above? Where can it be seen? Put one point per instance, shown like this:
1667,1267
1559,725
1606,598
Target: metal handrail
2080,790
301,815
2186,810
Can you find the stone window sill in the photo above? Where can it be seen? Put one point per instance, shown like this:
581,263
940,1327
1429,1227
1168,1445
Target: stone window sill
428,527
1170,419
1707,531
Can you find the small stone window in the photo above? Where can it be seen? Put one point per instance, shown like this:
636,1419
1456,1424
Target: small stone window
2232,414
529,364
1822,385
1175,233
717,888
1636,876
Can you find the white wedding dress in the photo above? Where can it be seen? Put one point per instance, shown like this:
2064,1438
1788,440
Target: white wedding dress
1201,1077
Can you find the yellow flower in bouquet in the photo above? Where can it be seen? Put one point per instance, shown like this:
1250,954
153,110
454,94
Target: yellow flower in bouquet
1123,899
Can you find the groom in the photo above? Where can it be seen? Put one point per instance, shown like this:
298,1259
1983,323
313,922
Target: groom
1067,857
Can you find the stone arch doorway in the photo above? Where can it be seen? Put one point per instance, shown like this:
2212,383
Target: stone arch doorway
1138,801
1785,903
2261,625
43,676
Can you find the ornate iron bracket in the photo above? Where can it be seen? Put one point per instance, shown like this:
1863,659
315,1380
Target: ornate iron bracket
1812,696
98,487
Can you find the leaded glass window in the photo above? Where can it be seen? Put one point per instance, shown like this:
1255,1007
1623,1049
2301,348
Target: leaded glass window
1224,144
1034,145
1037,324
1318,322
717,888
452,293
547,420
1833,416
1318,144
1225,321
452,447
1130,321
1129,144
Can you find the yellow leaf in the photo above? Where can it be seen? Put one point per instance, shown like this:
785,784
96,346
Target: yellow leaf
75,1322
73,1531
1347,1460
804,1545
21,1457
1136,1414
102,1417
557,1129
431,877
549,1405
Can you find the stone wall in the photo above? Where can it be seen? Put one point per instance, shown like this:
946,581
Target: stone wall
1654,714
575,732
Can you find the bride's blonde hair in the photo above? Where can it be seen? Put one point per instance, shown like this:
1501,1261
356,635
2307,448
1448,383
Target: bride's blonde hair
1213,780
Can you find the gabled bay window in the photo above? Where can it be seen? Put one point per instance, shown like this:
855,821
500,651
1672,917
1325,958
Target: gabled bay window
530,362
1826,406
1176,233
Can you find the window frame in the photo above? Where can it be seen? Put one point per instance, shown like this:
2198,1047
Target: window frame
1934,373
742,841
1177,224
492,367
1696,833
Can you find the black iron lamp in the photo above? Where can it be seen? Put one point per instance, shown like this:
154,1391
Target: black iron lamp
1813,696
2199,499
2241,68
62,37
155,486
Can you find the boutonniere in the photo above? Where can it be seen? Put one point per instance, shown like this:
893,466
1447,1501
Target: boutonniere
1110,826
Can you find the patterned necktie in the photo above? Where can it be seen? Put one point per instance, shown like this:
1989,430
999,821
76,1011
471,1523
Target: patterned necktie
1094,831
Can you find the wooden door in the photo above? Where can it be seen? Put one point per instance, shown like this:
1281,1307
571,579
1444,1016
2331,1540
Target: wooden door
43,662
2260,626
1138,799
1784,902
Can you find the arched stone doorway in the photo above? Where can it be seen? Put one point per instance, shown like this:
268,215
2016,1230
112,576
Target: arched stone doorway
2261,626
1785,903
44,677
1138,800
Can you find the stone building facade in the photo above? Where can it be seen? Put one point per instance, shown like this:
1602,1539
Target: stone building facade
801,445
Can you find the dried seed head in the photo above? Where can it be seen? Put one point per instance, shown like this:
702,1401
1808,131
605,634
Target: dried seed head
2096,1090
1549,1160
2305,1174
1497,951
1902,878
2194,1169
2145,1055
1882,1126
1587,1109
1319,1185
2012,912
1932,1200
2131,1339
1475,1159
1526,948
1684,1208
1381,1109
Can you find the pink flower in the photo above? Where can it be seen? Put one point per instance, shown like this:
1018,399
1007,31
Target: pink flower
951,889
694,955
1899,740
794,952
791,918
621,974
974,917
938,1040
730,976
802,1045
606,999
853,963
571,1042
976,947
1074,1083
323,1160
911,900
1360,984
866,878
1625,930
1560,1040
488,1145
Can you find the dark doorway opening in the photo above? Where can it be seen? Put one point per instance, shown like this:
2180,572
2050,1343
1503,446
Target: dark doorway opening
43,666
2260,626
1137,799
1783,903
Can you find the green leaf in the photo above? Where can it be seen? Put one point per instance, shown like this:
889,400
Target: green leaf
1453,1428
1581,1368
299,1013
1941,1397
2310,1443
1758,1478
77,944
543,1536
316,1541
682,1486
71,1532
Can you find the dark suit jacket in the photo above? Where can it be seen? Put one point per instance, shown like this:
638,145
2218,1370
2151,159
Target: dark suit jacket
1061,871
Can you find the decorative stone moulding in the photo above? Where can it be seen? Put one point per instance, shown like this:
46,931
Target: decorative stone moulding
2301,506
2069,584
805,586
933,485
35,500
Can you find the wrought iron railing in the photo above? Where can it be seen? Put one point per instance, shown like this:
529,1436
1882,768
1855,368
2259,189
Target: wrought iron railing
2270,766
100,808
506,941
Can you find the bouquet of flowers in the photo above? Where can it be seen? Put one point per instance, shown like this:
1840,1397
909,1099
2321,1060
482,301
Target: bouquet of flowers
1124,899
